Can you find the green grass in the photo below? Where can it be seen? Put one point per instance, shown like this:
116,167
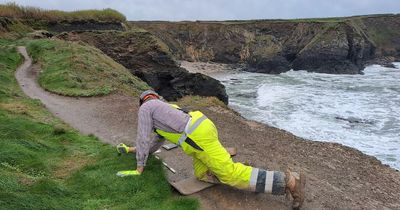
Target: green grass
76,69
14,10
199,101
383,35
44,164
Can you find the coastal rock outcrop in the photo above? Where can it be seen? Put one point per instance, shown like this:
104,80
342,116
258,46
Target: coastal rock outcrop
148,58
332,45
338,50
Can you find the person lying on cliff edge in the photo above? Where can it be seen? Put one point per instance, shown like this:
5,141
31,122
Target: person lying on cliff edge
198,138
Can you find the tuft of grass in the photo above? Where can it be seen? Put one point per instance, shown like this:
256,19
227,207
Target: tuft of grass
77,69
12,29
58,130
13,10
200,101
44,164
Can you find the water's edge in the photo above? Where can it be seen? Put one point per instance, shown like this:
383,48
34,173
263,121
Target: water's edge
359,111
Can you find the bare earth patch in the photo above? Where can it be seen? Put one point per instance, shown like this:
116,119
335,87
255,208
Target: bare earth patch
71,165
15,108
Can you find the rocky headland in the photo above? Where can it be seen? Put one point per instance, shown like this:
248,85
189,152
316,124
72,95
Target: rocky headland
333,45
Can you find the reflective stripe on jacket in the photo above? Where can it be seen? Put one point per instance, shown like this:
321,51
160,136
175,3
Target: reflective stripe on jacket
186,139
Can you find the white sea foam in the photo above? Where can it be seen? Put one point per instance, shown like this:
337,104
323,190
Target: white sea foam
360,111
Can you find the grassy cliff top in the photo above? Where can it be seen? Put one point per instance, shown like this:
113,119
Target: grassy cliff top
13,10
76,69
45,164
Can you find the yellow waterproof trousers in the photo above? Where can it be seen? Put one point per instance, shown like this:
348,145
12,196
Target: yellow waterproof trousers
217,160
209,156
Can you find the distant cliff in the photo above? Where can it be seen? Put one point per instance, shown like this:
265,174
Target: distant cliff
335,45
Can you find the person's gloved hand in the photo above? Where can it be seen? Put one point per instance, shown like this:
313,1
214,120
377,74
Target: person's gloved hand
122,148
128,173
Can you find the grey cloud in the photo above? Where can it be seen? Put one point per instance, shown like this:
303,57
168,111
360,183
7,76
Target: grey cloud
224,9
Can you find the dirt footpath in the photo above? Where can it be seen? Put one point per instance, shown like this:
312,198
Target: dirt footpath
112,118
338,177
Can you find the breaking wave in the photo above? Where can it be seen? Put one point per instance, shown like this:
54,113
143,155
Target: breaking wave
360,111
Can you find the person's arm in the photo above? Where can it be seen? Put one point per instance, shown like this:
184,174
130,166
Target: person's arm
144,137
156,143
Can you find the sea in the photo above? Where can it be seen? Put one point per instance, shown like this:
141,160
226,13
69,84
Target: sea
359,111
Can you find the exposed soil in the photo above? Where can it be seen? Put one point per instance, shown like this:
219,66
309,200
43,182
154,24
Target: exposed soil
338,177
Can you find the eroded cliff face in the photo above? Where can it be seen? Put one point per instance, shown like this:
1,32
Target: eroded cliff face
12,29
141,52
148,58
384,31
341,45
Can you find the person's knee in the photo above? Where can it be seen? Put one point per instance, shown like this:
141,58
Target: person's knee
199,174
200,170
225,180
225,177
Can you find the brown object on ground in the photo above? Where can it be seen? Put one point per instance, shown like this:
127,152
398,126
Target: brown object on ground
231,150
183,179
190,185
295,187
338,177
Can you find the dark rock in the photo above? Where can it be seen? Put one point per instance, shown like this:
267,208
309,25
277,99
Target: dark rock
73,25
174,83
142,54
83,25
40,34
383,61
355,120
322,63
389,65
274,65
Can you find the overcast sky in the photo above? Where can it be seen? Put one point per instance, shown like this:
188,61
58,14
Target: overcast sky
176,10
